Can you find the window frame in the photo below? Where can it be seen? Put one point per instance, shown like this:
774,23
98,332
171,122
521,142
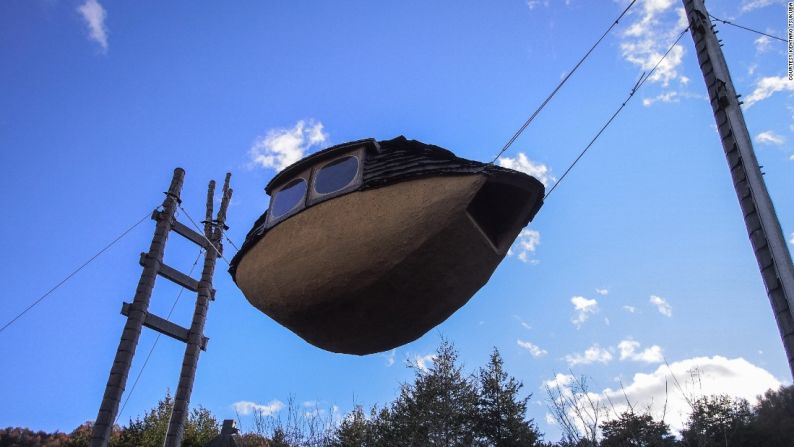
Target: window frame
315,197
300,206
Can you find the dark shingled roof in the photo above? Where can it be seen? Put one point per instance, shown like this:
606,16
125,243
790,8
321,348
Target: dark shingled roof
386,162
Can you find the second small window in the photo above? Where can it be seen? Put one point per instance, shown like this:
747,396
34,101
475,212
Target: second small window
336,175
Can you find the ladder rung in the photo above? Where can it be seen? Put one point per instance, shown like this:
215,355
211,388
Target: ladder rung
165,327
189,234
173,274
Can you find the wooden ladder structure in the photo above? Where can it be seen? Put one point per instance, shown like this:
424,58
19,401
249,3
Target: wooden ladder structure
138,316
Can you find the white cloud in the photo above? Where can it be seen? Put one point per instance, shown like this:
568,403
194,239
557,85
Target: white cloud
592,354
766,87
532,4
769,137
602,292
762,44
523,323
535,350
526,243
559,380
246,407
527,166
423,361
280,148
662,305
629,351
647,38
791,237
583,309
663,97
749,5
630,309
701,376
390,357
94,15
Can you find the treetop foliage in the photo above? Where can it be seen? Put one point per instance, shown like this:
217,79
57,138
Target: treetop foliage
445,407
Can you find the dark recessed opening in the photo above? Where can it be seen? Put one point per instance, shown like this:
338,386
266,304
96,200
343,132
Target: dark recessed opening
498,209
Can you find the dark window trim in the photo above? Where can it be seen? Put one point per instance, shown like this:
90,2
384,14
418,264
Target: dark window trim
314,197
271,220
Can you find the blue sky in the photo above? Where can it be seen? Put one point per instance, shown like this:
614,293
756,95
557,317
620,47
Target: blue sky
639,256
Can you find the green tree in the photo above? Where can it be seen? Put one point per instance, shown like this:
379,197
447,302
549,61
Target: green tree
201,426
773,420
355,430
501,412
719,421
438,409
636,430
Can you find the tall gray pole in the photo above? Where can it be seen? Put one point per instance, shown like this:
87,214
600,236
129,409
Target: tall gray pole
137,314
763,227
213,230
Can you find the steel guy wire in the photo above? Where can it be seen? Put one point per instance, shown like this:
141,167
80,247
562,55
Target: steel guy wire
561,83
639,84
747,29
70,275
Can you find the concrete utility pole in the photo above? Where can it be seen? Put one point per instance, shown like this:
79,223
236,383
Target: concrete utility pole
213,231
763,227
138,316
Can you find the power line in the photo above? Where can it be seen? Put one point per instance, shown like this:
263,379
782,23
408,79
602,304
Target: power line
747,29
231,242
201,233
639,84
154,345
562,82
68,277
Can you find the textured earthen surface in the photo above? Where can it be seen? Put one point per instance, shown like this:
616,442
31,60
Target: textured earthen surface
375,269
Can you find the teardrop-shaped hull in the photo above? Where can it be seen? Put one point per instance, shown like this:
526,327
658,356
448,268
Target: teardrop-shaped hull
377,268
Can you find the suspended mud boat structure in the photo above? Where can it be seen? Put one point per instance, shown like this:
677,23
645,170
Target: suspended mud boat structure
369,244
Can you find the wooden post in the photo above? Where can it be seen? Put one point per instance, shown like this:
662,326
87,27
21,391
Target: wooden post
137,314
763,227
213,230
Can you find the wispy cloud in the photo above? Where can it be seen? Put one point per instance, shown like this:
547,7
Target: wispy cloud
762,44
766,87
602,292
525,245
629,350
423,361
280,148
662,305
522,163
523,323
390,357
629,309
770,138
245,407
593,354
532,4
647,38
749,5
583,309
534,350
662,97
94,15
